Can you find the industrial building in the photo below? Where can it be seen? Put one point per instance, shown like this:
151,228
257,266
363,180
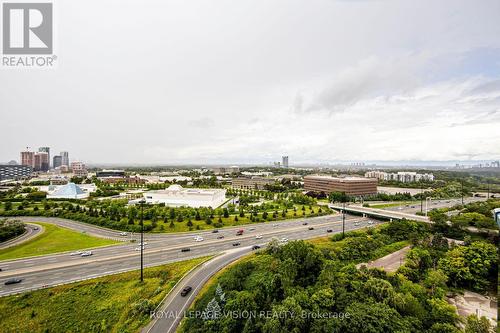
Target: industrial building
350,185
177,196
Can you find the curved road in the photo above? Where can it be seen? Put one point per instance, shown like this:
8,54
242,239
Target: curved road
32,230
168,316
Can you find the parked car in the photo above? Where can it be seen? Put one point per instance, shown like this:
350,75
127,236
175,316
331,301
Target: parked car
187,249
186,291
237,244
255,247
13,281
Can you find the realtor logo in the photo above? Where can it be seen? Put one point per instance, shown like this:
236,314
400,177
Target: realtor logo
27,28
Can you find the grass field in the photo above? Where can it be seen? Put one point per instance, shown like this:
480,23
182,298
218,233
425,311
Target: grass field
393,204
115,303
54,239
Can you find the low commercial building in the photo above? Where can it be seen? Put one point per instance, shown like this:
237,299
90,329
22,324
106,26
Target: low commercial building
110,173
9,171
350,185
251,183
177,196
225,170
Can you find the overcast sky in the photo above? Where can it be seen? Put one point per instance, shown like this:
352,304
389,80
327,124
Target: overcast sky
248,81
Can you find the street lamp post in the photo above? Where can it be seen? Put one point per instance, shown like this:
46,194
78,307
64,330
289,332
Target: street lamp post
142,241
343,219
462,190
421,197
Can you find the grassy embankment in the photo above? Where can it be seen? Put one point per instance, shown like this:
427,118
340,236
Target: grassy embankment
54,239
115,303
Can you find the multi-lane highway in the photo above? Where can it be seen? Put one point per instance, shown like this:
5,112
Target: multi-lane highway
49,270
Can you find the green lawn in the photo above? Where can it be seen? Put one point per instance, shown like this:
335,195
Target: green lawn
115,303
54,239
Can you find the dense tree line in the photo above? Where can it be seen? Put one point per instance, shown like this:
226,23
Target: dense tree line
299,287
10,229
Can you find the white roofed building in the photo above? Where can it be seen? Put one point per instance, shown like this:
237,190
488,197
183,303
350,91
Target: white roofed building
177,196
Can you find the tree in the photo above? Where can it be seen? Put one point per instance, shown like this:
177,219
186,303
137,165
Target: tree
435,279
470,266
477,325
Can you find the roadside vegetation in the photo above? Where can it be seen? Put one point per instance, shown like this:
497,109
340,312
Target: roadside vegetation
10,228
115,303
54,239
304,287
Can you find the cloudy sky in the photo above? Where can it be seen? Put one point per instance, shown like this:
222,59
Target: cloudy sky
248,81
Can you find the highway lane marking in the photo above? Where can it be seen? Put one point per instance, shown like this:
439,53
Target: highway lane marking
197,244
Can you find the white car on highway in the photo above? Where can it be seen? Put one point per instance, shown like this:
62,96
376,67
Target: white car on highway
86,254
139,248
76,253
198,239
123,233
284,240
370,222
258,237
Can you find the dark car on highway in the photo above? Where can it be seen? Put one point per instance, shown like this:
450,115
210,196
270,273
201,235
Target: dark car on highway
311,228
220,237
236,244
12,281
329,230
215,231
255,247
186,250
186,291
305,223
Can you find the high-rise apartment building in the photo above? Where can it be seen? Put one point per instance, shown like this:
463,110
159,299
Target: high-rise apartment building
45,150
284,161
65,158
41,161
56,161
27,158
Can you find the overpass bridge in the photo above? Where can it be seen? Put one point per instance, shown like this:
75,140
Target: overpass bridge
379,213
